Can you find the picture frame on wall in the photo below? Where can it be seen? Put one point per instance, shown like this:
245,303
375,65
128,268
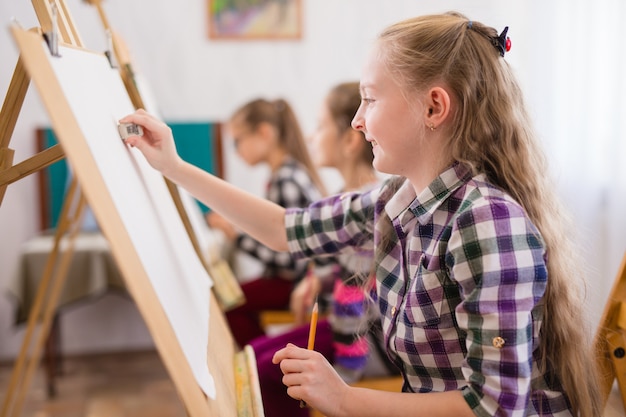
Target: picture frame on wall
255,19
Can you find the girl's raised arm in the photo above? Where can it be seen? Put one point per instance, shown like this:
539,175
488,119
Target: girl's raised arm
258,217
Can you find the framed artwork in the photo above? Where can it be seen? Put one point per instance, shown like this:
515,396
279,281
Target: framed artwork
255,19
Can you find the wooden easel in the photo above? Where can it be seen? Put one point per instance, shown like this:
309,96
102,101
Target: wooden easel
16,93
229,294
610,338
54,20
240,374
56,23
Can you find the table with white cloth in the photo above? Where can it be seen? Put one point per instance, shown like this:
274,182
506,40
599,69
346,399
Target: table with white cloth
92,272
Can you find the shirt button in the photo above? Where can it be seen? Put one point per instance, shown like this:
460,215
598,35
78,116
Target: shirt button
393,311
498,342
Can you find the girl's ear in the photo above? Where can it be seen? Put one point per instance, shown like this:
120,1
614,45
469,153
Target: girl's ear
437,107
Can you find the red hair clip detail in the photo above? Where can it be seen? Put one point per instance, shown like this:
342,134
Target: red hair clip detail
502,42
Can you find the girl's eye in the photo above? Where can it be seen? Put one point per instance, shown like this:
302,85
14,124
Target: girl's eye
367,100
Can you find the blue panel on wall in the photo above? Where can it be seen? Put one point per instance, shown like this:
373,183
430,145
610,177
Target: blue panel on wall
195,143
56,181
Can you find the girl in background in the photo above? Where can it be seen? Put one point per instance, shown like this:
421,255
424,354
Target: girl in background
268,132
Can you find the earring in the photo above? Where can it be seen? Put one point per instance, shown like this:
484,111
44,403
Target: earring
431,127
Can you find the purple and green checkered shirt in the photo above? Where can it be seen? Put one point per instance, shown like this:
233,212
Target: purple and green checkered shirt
460,287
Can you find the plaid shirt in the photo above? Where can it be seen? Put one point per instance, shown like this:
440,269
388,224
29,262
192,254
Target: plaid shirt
289,186
459,287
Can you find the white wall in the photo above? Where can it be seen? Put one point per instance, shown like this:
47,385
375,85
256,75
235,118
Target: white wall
193,78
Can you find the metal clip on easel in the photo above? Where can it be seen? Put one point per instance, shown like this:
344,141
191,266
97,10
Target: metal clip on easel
52,37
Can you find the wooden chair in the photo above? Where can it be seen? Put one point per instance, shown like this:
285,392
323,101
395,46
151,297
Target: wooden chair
610,339
276,318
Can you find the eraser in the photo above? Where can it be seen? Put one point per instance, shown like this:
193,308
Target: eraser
129,129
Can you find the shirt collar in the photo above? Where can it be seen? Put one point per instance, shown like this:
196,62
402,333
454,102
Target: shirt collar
405,201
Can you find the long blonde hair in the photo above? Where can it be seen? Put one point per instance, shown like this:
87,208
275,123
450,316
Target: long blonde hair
492,134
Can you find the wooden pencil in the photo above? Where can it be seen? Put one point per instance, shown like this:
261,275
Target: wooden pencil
312,330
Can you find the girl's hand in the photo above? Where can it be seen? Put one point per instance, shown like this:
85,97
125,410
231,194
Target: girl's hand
309,377
157,142
302,297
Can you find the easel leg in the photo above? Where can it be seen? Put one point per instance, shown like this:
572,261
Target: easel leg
6,161
45,303
8,117
13,103
52,356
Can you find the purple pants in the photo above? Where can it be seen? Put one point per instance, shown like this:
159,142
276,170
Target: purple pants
276,402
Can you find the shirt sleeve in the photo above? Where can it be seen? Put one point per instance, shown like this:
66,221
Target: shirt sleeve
340,224
332,225
496,256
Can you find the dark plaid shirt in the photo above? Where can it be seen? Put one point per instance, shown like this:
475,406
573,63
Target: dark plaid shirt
459,287
289,186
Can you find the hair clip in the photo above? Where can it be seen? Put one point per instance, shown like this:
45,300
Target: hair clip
502,42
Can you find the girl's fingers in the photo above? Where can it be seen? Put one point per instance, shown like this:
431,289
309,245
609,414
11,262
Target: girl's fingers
144,119
137,142
296,366
291,351
130,118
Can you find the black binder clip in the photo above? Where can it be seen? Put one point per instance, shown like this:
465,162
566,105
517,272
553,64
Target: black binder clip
52,37
109,52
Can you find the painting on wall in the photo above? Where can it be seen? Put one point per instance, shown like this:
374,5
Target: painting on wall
255,19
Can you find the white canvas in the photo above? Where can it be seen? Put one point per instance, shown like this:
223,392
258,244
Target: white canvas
98,99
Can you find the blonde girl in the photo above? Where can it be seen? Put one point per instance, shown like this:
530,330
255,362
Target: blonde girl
481,305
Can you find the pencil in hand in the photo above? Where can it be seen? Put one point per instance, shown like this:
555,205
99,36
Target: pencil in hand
312,330
313,327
